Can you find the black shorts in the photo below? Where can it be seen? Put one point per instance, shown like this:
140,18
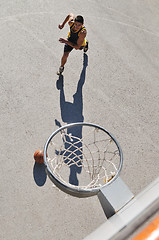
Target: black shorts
68,48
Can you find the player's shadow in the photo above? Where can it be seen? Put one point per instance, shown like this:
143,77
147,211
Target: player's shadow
71,113
39,174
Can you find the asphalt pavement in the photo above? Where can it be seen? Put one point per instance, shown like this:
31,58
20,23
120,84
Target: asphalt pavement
120,92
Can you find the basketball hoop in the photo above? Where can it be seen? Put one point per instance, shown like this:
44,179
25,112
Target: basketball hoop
80,158
83,160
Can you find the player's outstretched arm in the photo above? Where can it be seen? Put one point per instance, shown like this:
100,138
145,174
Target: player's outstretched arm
70,18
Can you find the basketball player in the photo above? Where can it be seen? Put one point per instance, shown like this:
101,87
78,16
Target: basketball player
76,38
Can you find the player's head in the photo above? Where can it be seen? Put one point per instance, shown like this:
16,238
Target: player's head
79,20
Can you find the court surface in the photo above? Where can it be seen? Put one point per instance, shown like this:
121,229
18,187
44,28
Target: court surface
119,91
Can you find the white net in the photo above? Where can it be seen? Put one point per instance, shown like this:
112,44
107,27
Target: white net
83,157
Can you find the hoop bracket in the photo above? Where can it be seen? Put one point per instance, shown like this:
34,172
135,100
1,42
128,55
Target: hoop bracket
114,196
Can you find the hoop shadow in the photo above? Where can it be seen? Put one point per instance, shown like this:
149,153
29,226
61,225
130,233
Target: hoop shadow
70,113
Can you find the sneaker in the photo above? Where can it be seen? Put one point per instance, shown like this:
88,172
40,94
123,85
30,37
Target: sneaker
85,49
61,69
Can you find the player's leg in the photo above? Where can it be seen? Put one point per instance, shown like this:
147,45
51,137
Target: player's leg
67,50
64,58
63,61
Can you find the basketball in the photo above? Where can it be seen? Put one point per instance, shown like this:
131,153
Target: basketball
38,156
